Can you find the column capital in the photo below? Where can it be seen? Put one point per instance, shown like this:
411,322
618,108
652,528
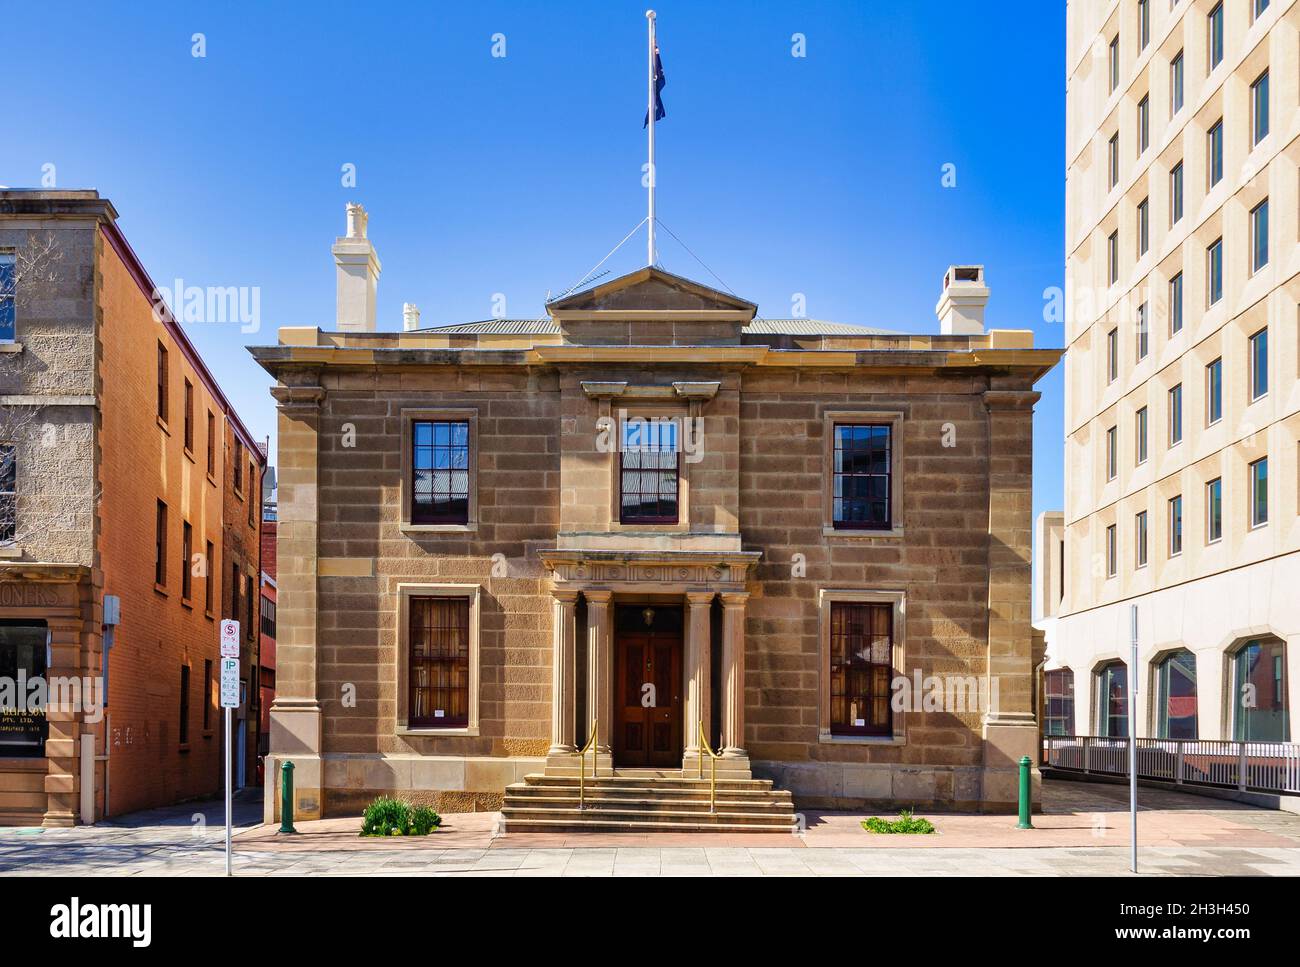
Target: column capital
1010,399
699,599
298,398
598,595
567,596
734,599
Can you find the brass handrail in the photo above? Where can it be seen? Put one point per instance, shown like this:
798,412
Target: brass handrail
582,765
705,748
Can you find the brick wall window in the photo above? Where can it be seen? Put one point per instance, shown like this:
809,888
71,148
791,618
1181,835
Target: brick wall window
8,492
861,668
160,546
183,732
189,416
187,565
438,640
162,383
440,490
1058,713
268,618
648,471
208,577
234,590
212,445
207,694
239,467
863,476
250,602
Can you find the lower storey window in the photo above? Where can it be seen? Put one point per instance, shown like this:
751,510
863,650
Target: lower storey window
1260,712
1176,711
1112,700
861,645
1058,717
439,662
23,728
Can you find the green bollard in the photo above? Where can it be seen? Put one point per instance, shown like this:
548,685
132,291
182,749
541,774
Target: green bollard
286,798
1026,787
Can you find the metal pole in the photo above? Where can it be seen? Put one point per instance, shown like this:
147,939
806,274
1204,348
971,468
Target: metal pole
1026,788
650,127
286,798
228,761
1132,744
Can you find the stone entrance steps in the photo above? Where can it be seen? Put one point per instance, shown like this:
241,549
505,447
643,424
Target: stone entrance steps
640,803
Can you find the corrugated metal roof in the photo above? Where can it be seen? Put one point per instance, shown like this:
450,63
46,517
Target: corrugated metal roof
499,327
812,327
759,327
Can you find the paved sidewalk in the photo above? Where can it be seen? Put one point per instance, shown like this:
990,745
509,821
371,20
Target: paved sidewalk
1082,832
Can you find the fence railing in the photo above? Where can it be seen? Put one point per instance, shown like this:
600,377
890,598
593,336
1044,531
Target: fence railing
1247,766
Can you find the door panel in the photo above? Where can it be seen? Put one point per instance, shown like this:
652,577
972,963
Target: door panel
648,709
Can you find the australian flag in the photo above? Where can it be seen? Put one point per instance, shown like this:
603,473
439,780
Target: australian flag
660,81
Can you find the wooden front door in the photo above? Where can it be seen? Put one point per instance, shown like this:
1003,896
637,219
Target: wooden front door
648,699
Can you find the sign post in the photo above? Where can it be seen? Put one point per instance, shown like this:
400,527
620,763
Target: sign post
229,701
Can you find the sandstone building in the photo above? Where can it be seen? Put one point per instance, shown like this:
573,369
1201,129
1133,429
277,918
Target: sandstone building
118,507
653,511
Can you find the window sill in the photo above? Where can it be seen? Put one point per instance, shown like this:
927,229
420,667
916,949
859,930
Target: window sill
408,527
830,738
183,748
208,615
1260,526
208,734
858,534
11,347
211,479
434,730
187,604
10,552
162,425
189,454
160,589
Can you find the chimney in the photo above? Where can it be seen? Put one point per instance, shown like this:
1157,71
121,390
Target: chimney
961,306
410,316
357,275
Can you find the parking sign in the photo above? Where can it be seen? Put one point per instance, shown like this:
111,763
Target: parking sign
229,638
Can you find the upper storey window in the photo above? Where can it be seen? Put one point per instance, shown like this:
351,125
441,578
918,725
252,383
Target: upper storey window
648,471
440,472
863,472
8,286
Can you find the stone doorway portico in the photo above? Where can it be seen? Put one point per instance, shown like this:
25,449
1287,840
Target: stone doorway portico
604,580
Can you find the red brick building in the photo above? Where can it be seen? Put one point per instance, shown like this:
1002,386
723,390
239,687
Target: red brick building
136,504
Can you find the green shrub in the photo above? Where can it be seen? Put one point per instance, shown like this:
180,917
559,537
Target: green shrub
386,817
905,823
424,821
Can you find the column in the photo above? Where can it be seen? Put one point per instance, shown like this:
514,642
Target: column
600,667
563,669
733,674
296,713
62,782
1010,729
698,662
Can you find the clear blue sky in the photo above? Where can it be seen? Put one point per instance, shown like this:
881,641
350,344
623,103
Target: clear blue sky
818,175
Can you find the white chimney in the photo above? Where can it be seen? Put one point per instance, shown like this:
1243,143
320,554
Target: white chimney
356,273
410,316
961,306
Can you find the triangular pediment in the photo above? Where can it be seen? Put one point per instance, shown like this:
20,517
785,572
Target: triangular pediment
651,290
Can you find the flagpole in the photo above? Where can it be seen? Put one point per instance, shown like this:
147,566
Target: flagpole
650,109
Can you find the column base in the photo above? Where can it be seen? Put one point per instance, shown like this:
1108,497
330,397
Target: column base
569,765
1008,737
729,766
